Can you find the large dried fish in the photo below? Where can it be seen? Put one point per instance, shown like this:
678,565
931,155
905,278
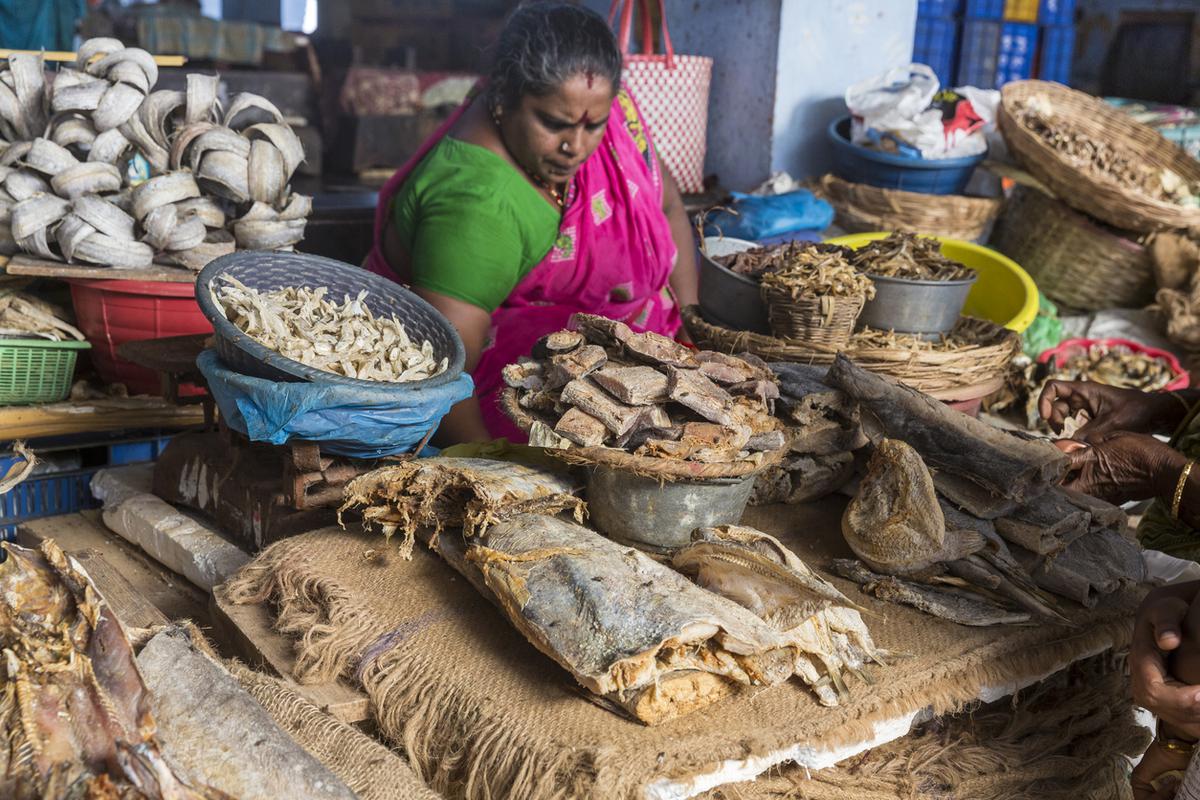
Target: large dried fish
960,607
757,572
347,339
630,630
894,522
73,709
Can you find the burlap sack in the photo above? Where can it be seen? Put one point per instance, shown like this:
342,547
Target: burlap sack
481,713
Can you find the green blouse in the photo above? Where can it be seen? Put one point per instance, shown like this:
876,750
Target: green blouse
472,225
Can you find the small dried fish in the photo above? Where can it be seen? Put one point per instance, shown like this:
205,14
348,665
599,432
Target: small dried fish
346,339
906,255
812,272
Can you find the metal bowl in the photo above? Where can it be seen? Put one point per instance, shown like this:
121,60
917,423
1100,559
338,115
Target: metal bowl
268,270
660,516
922,308
726,298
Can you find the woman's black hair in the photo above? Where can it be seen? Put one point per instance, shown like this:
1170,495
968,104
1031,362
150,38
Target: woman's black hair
545,44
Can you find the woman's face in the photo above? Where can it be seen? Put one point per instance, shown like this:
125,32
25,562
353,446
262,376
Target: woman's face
552,135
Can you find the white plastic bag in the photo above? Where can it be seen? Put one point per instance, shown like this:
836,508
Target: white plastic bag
899,104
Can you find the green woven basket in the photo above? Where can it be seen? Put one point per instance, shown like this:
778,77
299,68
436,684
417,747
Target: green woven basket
36,370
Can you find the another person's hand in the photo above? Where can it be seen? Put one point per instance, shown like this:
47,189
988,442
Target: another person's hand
1119,467
1158,630
1108,408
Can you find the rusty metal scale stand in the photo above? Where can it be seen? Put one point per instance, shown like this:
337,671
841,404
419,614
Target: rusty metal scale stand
258,493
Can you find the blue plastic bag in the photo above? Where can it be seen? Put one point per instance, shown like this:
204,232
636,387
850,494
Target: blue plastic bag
759,218
351,421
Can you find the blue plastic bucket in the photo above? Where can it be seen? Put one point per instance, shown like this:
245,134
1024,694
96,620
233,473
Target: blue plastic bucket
859,164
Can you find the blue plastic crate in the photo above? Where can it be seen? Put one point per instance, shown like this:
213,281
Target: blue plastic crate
979,54
936,44
136,452
1018,49
984,9
1056,12
938,8
1056,53
63,493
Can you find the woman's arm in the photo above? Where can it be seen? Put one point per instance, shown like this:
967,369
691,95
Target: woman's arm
464,423
685,279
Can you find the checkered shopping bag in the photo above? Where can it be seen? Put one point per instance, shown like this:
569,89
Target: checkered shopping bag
671,90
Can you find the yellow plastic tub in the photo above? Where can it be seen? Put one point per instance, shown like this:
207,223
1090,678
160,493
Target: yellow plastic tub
1004,293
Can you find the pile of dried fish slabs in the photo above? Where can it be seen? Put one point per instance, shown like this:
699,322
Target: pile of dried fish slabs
69,187
347,339
494,718
968,522
601,384
23,315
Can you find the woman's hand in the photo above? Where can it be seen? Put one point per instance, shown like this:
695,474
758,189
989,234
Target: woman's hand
1157,631
1119,467
1109,409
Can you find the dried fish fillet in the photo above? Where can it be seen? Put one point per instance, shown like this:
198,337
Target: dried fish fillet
757,572
346,339
73,708
955,606
471,493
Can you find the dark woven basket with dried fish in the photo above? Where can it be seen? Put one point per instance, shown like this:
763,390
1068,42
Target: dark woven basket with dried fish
863,209
977,352
1076,261
644,403
1098,159
815,296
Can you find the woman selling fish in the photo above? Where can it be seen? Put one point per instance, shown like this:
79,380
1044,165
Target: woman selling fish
540,197
1116,457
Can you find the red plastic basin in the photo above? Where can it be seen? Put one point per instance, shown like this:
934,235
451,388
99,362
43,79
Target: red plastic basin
1075,346
111,313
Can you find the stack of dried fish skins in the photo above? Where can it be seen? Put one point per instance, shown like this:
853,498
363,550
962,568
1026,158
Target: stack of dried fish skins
755,570
908,256
635,633
73,708
471,493
23,315
1002,465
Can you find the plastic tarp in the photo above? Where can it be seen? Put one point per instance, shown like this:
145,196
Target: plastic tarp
351,421
756,217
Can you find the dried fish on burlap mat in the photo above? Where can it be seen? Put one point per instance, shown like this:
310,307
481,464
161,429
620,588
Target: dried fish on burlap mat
1069,737
480,713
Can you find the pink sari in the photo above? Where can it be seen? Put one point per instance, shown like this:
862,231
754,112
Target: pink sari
613,255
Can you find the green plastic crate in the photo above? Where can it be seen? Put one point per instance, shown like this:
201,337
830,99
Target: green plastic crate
36,370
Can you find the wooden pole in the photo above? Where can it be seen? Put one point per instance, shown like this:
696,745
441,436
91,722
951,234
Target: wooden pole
60,55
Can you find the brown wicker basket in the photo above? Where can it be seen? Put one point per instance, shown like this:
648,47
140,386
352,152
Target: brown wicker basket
1075,261
825,320
1082,189
981,353
864,209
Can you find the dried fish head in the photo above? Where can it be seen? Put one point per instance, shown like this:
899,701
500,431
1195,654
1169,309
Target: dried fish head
894,523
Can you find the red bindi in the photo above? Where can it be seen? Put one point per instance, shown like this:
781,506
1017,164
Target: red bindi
590,77
583,120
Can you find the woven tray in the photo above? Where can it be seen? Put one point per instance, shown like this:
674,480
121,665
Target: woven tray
865,209
1082,189
1075,262
940,371
663,468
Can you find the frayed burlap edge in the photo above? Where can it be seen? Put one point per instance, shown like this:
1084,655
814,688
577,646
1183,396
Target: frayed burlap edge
453,740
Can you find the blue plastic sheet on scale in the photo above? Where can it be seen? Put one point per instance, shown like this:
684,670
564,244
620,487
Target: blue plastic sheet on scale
756,218
351,421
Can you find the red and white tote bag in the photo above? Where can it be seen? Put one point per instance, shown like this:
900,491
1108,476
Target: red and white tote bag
672,92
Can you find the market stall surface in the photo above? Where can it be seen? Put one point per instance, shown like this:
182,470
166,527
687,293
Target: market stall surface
481,713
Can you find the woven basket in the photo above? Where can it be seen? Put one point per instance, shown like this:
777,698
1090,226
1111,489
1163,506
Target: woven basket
663,468
1075,262
1082,189
864,209
822,320
941,371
